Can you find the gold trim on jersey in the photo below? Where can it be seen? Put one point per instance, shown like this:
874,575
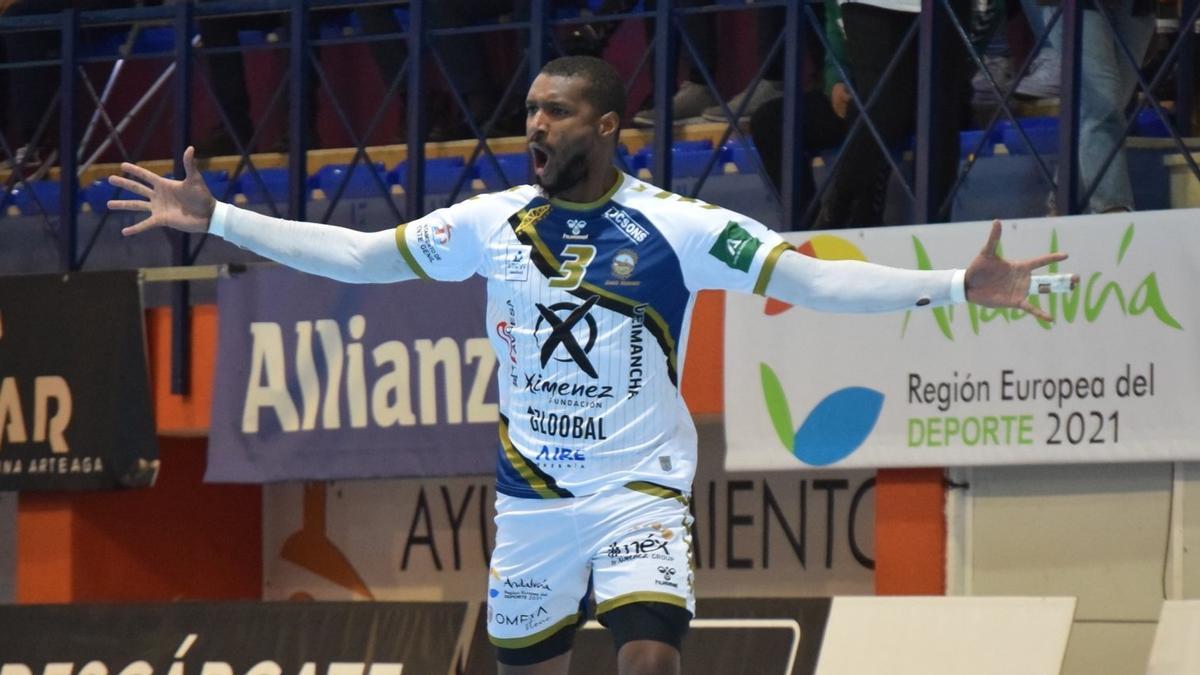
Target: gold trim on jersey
538,481
402,244
530,640
768,266
524,224
640,596
588,206
664,331
656,490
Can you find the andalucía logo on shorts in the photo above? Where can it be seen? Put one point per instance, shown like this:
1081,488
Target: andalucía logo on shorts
735,247
841,421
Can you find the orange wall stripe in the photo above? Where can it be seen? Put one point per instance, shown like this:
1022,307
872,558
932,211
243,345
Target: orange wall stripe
910,532
703,378
182,415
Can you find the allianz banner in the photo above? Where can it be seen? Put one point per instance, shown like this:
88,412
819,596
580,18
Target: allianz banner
1112,379
75,409
298,638
318,379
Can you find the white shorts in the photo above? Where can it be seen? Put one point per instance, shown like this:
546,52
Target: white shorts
634,544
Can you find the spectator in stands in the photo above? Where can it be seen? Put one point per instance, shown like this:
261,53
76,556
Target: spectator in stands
32,90
1108,81
227,74
990,31
875,31
693,101
826,104
463,55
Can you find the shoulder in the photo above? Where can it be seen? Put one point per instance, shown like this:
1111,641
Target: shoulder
674,216
487,212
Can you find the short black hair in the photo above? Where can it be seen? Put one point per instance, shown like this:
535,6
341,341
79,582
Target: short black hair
605,90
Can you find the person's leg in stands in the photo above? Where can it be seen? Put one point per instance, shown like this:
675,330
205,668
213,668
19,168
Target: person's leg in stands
873,37
1107,82
31,90
226,71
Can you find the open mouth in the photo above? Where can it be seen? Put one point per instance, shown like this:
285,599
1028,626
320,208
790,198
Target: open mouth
540,158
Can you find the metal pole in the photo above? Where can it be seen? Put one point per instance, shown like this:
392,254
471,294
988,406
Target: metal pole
181,323
300,112
1067,194
537,37
794,198
68,215
665,71
414,184
1185,70
926,207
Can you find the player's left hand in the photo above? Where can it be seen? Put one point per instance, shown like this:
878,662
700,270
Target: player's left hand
993,281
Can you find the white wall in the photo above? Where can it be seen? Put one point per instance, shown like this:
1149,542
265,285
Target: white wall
1097,532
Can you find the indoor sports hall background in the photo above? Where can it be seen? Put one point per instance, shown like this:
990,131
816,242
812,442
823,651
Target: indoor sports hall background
179,489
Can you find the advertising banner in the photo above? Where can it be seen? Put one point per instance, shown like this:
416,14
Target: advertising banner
318,379
75,409
302,638
1112,379
790,534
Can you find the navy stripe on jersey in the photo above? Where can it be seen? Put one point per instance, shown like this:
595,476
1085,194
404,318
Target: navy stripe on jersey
611,276
516,476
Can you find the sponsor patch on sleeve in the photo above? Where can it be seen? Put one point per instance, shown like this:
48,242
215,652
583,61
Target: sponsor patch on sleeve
735,247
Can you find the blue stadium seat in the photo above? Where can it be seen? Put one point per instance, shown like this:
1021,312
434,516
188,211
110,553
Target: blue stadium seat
336,24
742,154
27,198
97,194
1148,124
441,173
688,158
218,183
514,164
361,183
276,181
969,138
108,43
1042,131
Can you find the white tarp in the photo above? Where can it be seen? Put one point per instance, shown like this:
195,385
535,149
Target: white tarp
1114,378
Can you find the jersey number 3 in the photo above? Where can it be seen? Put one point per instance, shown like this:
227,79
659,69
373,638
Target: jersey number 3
571,271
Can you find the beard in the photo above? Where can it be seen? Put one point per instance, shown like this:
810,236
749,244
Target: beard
574,170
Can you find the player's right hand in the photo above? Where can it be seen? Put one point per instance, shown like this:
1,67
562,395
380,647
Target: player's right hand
185,205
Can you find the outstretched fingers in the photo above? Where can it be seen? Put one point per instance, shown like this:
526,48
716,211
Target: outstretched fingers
189,163
1036,311
140,189
137,228
993,241
141,173
1043,260
128,205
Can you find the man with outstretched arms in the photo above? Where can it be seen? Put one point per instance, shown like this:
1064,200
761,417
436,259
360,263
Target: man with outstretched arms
591,276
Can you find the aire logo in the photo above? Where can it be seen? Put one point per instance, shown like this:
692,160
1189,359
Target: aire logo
841,422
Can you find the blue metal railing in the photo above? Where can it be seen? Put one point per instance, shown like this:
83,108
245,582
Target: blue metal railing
536,35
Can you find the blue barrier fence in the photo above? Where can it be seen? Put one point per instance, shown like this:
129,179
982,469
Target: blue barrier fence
168,35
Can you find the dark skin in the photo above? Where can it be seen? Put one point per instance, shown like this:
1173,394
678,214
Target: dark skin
570,142
572,147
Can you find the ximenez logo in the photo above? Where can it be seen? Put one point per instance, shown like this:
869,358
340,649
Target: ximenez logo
379,392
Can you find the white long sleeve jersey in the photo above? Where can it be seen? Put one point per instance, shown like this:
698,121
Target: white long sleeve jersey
588,311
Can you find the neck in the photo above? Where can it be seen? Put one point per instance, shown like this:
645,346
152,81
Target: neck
599,181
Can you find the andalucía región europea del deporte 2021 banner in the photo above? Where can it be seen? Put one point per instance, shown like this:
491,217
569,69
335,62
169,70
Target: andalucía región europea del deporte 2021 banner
1114,378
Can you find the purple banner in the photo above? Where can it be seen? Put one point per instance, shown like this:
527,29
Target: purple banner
321,380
